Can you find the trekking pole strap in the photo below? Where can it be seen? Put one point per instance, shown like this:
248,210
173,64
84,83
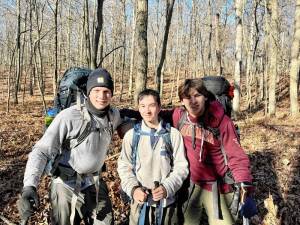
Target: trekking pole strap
142,216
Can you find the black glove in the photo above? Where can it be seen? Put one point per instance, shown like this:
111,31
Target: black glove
28,203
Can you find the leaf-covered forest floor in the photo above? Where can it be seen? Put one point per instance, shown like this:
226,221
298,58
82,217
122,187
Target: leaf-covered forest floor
271,143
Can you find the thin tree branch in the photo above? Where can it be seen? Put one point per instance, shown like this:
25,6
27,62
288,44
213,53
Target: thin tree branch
100,63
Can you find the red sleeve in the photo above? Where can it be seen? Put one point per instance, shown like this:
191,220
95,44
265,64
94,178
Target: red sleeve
238,161
176,116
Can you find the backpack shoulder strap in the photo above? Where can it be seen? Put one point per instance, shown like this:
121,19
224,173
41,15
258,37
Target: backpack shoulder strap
216,132
182,120
168,143
135,141
85,129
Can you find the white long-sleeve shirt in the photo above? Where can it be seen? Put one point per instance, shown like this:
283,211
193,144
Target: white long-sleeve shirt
153,164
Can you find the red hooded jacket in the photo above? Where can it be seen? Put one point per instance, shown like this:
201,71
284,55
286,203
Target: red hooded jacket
206,160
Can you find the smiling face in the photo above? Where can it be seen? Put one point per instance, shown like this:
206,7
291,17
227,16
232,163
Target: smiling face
149,109
100,97
194,102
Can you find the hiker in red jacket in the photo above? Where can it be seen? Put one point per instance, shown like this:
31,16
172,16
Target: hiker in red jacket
217,162
215,156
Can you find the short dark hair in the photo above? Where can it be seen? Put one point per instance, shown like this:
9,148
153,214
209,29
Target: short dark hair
151,92
196,83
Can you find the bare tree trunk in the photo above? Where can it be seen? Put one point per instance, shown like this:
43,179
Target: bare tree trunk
179,54
273,57
8,80
294,66
156,36
56,49
31,76
124,50
18,72
218,50
102,35
132,50
22,55
87,33
238,56
169,12
210,66
69,34
82,38
97,33
38,63
142,49
187,65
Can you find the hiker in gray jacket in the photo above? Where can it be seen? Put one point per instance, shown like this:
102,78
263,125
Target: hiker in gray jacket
77,141
152,165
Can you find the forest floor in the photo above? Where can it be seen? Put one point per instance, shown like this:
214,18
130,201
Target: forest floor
271,143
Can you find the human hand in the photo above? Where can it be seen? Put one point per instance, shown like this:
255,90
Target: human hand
28,203
159,193
139,195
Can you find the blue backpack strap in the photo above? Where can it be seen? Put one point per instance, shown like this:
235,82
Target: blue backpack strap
135,141
166,136
142,216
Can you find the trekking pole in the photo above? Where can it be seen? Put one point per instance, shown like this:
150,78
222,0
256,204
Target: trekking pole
159,208
143,210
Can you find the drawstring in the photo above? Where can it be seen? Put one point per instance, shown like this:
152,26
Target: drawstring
193,126
201,146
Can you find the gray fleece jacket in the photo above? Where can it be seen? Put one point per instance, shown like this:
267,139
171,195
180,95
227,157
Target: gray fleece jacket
86,158
153,164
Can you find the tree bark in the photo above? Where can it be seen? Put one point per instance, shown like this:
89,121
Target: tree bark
187,65
295,63
124,50
169,12
218,50
87,33
18,44
273,57
132,56
210,64
142,49
238,56
56,49
97,32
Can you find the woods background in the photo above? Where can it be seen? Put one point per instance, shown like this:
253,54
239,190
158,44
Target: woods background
158,43
256,42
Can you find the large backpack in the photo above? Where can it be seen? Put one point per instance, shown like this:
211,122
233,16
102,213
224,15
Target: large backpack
73,81
71,86
222,90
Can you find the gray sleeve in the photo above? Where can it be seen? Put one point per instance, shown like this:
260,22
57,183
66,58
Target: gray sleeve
128,178
174,181
45,149
116,118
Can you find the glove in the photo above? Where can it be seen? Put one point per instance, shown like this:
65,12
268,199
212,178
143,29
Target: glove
248,208
28,203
